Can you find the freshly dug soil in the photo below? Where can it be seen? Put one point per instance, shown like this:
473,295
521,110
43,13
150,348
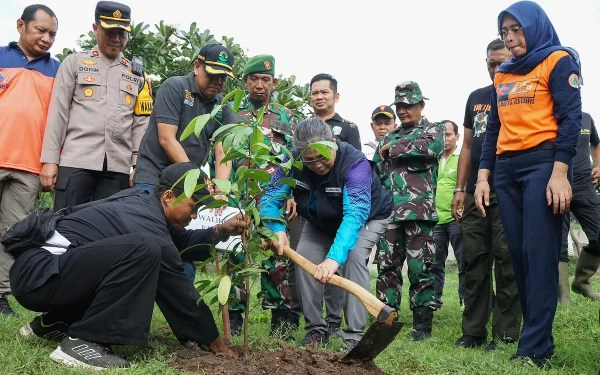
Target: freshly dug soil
284,361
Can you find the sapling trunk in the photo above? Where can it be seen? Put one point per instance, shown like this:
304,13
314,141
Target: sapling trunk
248,293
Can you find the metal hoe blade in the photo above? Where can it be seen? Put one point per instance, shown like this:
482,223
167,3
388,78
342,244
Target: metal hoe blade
376,339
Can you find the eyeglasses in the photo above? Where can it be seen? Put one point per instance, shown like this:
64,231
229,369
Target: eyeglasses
513,30
322,159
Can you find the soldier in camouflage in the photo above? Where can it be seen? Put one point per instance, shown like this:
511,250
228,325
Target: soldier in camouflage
277,127
407,162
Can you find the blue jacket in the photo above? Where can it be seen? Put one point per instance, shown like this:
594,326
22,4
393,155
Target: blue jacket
340,202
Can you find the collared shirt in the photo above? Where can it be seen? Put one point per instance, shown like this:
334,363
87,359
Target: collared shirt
25,90
178,102
345,131
91,114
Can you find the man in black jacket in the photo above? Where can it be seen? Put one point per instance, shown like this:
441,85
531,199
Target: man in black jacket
121,257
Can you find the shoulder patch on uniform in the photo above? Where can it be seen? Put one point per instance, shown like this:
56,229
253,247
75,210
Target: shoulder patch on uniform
353,125
574,80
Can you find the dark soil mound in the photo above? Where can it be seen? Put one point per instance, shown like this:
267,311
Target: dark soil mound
284,361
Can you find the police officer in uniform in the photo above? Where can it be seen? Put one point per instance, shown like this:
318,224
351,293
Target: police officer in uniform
323,96
278,284
98,113
109,263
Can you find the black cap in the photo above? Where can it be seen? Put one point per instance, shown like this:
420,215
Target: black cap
173,172
384,110
217,59
112,15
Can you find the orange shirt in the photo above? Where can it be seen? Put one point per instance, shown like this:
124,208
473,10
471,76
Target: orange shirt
525,107
25,90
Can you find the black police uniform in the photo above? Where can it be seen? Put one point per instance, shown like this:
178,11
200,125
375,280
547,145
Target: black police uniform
586,203
123,257
345,131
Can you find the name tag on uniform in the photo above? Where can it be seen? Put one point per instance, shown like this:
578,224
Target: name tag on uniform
302,185
280,126
333,190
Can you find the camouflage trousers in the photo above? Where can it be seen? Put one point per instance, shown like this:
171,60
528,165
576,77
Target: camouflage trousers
275,288
411,241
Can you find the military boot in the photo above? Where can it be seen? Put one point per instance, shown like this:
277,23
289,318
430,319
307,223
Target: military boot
236,322
587,266
422,322
564,293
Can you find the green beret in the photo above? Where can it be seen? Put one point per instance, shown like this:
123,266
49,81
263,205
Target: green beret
260,64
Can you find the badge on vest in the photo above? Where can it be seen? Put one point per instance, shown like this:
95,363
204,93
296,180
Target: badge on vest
336,130
333,190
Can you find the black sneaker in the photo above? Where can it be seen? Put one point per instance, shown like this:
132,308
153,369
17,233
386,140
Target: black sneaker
348,345
54,332
236,322
493,345
314,338
469,342
86,354
5,308
334,329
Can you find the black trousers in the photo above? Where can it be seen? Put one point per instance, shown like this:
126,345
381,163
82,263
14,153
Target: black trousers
106,291
586,208
76,186
485,249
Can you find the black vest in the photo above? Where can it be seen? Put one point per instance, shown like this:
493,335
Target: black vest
329,191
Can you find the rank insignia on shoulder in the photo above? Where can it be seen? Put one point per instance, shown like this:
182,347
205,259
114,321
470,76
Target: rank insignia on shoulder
95,54
88,62
124,61
352,125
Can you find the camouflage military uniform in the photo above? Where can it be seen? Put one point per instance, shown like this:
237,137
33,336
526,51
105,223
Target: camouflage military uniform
410,175
277,128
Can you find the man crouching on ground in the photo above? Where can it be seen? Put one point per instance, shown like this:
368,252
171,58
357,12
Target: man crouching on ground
122,256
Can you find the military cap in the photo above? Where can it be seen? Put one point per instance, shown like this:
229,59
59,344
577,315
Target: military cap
173,173
217,59
383,110
260,64
408,92
113,15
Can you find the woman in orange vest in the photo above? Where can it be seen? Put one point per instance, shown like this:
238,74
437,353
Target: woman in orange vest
532,134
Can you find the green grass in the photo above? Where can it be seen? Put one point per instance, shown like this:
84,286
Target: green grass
576,332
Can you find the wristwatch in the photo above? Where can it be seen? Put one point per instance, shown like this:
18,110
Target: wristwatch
459,190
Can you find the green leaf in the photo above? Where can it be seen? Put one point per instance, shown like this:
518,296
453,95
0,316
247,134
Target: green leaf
191,180
256,215
215,110
224,128
230,95
298,165
258,175
189,129
288,181
240,172
200,123
260,114
224,289
257,136
215,204
181,178
324,148
223,185
239,95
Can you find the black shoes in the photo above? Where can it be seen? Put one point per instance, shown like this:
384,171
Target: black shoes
236,322
315,338
85,354
48,331
469,342
5,308
334,329
283,324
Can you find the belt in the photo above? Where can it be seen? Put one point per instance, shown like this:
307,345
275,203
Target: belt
547,145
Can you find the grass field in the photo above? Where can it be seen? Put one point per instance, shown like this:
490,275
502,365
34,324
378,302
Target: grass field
576,332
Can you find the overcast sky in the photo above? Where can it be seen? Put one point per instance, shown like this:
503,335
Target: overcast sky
369,47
